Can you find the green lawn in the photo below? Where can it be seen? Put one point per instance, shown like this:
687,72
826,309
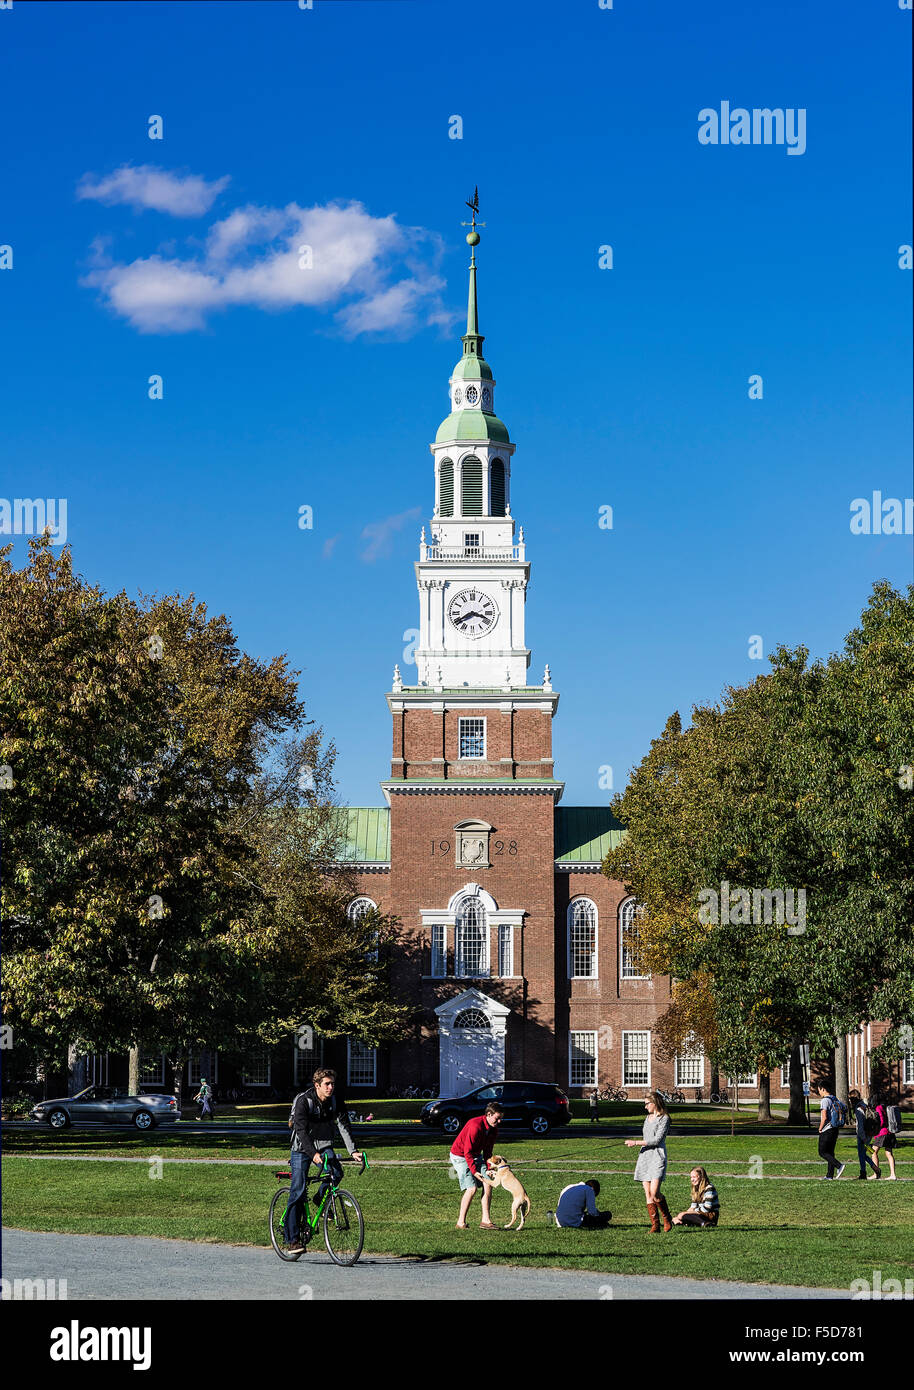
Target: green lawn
773,1229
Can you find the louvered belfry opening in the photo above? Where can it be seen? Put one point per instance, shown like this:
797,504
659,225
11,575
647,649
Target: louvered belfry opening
446,488
497,488
471,504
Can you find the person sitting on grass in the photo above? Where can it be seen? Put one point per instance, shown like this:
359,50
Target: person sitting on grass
577,1206
705,1208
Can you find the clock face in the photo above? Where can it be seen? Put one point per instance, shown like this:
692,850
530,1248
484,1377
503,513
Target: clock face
472,612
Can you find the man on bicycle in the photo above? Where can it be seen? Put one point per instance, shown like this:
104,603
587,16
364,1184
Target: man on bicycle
315,1113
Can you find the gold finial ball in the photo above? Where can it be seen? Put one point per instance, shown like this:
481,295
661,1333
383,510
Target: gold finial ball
472,238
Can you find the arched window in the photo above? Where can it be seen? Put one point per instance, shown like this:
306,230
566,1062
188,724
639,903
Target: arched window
630,941
356,911
471,939
472,1018
497,488
471,501
582,939
446,488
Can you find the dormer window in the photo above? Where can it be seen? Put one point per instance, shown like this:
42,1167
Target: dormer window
471,546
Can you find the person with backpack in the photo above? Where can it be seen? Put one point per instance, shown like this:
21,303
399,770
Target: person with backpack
833,1116
204,1099
315,1114
884,1138
867,1125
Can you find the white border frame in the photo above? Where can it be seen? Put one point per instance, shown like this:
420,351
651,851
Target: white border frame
374,1063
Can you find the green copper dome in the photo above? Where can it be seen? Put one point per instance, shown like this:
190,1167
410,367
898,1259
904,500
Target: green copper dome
476,368
473,426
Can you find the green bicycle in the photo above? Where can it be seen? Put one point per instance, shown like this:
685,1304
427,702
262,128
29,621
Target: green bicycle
344,1225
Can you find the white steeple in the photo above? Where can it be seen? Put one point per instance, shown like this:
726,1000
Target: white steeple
472,576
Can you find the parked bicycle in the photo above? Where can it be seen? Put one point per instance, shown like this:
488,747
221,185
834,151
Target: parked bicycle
337,1209
672,1097
613,1093
410,1093
721,1097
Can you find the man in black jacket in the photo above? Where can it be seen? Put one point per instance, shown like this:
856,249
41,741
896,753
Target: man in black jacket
315,1114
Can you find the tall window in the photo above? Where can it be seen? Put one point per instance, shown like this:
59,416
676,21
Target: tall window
471,939
636,1059
152,1069
497,488
363,1064
690,1064
582,939
747,1078
630,937
446,488
256,1068
472,544
505,949
202,1063
356,911
307,1060
582,1060
439,949
472,738
472,487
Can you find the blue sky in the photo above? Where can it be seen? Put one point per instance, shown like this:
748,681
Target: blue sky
626,387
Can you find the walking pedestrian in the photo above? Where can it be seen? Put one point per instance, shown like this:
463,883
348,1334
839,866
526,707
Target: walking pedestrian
594,1107
883,1138
204,1098
866,1127
832,1117
650,1170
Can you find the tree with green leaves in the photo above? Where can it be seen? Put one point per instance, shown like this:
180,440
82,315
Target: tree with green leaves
795,783
153,846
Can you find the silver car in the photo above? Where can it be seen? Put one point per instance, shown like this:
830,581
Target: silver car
106,1105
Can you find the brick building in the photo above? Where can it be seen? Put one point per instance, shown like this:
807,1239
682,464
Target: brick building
516,949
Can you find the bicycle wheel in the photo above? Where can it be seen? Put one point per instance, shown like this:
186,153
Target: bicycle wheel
277,1213
344,1227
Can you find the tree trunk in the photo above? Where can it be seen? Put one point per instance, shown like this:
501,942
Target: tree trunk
764,1095
179,1063
841,1081
73,1070
796,1114
133,1071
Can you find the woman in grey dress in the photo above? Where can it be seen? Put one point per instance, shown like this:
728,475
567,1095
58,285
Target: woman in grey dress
650,1170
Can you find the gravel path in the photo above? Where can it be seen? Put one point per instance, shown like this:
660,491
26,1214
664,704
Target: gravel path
117,1267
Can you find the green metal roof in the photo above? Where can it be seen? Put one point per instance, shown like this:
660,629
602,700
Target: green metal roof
366,831
473,366
472,425
585,834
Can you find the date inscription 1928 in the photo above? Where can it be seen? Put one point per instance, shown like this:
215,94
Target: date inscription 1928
443,847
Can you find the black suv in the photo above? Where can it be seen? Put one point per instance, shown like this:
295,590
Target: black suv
536,1104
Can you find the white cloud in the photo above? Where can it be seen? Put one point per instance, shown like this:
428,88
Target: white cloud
377,275
145,186
379,534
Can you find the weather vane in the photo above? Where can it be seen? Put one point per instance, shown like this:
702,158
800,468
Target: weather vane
473,236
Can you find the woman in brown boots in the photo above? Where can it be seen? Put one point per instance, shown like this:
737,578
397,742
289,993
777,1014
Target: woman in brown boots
650,1170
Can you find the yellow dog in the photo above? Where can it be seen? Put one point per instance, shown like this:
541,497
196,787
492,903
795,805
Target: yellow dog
502,1176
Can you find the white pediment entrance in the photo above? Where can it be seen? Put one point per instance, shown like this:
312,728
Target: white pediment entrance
472,1028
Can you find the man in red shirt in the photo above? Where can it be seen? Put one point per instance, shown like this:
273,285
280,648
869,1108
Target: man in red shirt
470,1153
